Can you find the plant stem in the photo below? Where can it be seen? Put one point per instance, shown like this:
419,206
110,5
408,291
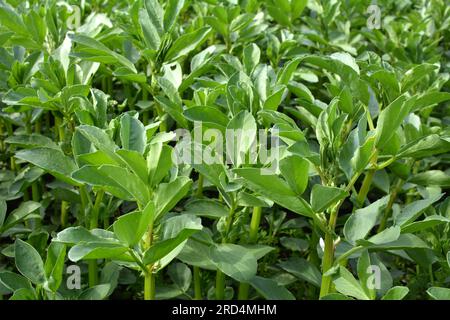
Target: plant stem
328,255
149,285
93,223
253,236
149,282
199,192
388,210
367,182
220,276
365,187
197,284
63,214
220,285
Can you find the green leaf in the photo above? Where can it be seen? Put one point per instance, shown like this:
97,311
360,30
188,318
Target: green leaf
207,208
323,197
130,228
24,294
416,74
206,114
135,162
386,236
91,175
303,270
167,195
29,262
159,162
186,43
439,293
101,53
171,13
251,56
287,71
117,177
270,289
275,189
234,260
132,133
3,208
73,235
51,160
100,139
396,293
412,211
174,109
428,222
161,249
149,28
363,220
18,215
431,178
390,120
364,274
297,7
31,141
96,250
404,241
13,281
238,144
348,285
98,292
54,265
346,59
423,147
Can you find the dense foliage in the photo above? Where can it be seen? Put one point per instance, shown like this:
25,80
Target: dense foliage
353,100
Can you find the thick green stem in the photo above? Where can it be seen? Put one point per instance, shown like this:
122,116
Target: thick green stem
220,276
92,272
149,285
149,281
93,223
388,209
365,187
197,284
220,285
199,186
63,214
328,254
253,236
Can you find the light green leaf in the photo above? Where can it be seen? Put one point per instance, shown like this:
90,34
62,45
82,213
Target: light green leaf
363,220
396,293
186,43
439,293
51,160
161,249
348,285
234,260
29,262
275,189
323,197
270,289
130,228
132,133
